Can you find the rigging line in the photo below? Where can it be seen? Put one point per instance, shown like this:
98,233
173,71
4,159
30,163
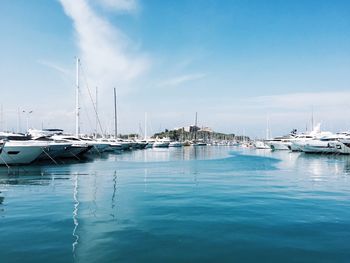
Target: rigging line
92,101
74,155
52,159
87,114
8,167
19,167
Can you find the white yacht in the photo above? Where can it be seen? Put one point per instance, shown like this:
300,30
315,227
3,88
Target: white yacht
53,149
280,143
44,132
198,142
141,144
161,143
126,144
327,144
114,145
261,145
343,144
175,144
78,147
20,152
97,146
301,139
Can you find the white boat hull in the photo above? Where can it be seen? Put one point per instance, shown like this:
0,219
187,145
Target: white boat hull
261,145
279,146
53,151
74,151
317,146
19,154
175,144
161,144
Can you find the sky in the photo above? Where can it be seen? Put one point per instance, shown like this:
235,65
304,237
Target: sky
237,63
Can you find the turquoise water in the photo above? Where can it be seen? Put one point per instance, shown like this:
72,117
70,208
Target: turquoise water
204,204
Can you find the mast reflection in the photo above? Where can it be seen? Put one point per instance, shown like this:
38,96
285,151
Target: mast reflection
75,215
114,194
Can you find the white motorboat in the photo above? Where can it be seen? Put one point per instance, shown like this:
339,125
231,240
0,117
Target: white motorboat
20,152
126,144
261,145
343,144
328,144
150,143
44,132
282,142
279,143
97,145
114,146
54,149
161,143
175,144
77,148
199,142
300,139
319,146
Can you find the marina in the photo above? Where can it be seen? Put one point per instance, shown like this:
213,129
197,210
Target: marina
174,131
171,204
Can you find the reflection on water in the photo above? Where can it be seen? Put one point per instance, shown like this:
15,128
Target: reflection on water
172,154
318,165
113,203
188,204
75,214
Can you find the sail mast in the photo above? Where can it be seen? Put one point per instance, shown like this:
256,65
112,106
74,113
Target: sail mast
1,118
195,128
18,121
267,128
96,113
145,125
115,115
312,118
77,128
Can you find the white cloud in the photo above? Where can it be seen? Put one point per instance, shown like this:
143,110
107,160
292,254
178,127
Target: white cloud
181,79
120,5
56,67
108,56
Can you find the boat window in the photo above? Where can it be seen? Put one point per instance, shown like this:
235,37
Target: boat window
13,152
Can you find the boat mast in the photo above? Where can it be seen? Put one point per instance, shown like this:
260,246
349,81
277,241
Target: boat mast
195,128
267,128
312,119
145,125
77,128
96,112
115,115
1,118
18,121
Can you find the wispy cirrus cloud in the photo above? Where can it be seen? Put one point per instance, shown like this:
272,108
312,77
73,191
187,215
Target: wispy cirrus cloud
108,55
120,5
56,67
176,81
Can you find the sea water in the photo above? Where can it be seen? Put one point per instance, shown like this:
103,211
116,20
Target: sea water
191,204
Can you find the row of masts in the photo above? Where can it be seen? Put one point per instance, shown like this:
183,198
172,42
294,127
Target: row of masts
77,105
77,112
77,108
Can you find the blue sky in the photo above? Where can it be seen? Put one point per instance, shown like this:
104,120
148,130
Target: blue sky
235,62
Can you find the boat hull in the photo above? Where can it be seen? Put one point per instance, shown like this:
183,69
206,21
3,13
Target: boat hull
19,154
161,144
279,146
